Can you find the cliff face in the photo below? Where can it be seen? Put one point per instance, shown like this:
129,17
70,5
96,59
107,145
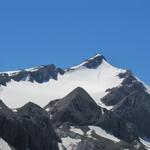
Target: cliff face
93,106
39,74
28,128
80,120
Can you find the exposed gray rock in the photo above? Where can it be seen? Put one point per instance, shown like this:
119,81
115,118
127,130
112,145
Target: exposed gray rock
129,85
94,62
29,128
129,119
135,108
40,74
93,141
119,127
76,108
4,78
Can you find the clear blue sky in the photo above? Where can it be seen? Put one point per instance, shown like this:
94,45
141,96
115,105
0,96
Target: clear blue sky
65,32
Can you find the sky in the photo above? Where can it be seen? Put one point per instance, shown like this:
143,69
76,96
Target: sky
35,32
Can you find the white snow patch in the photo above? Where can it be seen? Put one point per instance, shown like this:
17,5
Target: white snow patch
94,81
60,146
14,110
89,134
145,143
69,143
102,111
11,72
47,109
4,145
99,131
100,103
33,69
76,130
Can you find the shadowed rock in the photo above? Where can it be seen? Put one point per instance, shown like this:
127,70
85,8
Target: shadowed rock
77,108
129,85
29,128
40,74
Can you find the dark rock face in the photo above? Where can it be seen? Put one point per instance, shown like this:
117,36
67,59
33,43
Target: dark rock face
45,73
129,119
104,144
124,121
40,74
31,109
94,141
22,75
77,108
4,78
94,62
29,128
119,127
129,85
135,109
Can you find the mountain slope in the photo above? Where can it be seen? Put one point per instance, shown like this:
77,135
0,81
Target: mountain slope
77,108
95,79
28,128
80,124
91,106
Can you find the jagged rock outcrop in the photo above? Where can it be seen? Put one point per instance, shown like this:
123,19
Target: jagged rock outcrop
124,121
94,62
129,119
91,63
82,138
135,109
40,74
29,128
115,124
76,108
4,78
129,85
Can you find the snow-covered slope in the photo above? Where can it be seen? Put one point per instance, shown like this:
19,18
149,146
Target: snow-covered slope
94,78
70,143
4,145
95,81
146,143
99,131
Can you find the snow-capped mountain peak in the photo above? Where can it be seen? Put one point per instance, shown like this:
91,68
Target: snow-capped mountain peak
42,84
103,104
91,63
95,75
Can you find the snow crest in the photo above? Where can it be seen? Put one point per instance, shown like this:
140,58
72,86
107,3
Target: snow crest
94,81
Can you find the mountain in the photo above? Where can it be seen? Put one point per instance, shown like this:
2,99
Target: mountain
80,122
77,108
95,75
93,106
